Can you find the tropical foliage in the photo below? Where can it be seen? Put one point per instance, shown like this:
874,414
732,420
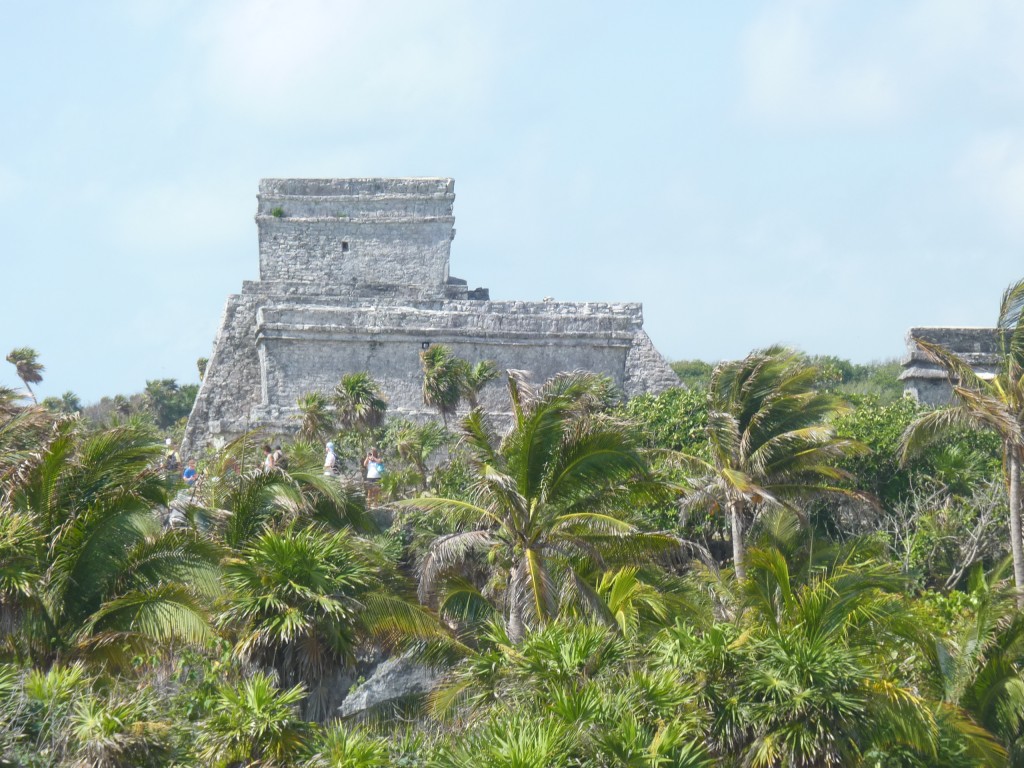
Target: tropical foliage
774,566
550,499
770,438
30,370
995,404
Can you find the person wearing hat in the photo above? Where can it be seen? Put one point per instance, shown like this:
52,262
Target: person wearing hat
330,461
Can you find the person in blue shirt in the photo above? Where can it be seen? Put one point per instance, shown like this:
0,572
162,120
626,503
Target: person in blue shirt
190,473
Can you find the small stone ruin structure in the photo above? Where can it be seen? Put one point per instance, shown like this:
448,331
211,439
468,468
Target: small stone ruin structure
354,277
926,381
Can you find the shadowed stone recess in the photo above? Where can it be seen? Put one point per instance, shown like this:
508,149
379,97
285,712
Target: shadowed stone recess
354,277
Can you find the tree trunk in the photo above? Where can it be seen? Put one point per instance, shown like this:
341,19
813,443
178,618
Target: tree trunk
516,609
1013,461
736,509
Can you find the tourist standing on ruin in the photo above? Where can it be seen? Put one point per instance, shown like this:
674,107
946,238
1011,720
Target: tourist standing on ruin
171,461
190,474
280,458
374,465
330,461
268,458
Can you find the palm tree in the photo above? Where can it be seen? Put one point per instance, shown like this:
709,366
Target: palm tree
443,377
977,667
237,508
85,569
416,443
317,421
303,599
122,405
9,401
89,571
254,724
296,600
771,443
995,403
70,402
359,402
30,371
161,399
815,679
474,378
548,500
573,693
339,745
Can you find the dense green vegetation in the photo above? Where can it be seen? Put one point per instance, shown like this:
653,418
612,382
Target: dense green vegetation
779,564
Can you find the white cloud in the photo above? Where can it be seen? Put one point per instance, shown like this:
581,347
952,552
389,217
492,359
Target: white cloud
993,169
344,59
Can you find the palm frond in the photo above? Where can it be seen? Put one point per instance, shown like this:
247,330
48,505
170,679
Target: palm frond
446,553
931,426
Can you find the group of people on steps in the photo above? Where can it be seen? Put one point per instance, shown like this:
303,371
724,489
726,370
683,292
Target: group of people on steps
373,466
275,458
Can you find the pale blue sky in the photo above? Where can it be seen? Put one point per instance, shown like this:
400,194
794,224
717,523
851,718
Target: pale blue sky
824,174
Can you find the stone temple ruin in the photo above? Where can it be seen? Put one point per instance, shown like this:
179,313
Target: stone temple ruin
354,277
926,381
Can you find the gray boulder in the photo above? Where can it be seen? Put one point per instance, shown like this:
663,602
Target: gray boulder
392,679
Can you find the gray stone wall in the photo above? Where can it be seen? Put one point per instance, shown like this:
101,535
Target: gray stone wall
320,311
925,380
357,236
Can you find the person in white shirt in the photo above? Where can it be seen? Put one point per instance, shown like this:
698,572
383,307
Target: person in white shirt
374,465
330,461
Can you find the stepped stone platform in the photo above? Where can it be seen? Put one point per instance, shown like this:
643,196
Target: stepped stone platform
926,381
354,276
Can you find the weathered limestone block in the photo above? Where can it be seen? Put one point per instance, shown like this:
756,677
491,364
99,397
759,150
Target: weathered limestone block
926,381
393,679
354,277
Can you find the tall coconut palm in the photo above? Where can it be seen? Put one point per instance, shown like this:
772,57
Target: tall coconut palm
317,420
359,402
770,438
550,500
474,378
995,404
443,377
30,370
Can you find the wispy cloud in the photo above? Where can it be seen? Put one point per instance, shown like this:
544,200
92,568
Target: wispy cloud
344,59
